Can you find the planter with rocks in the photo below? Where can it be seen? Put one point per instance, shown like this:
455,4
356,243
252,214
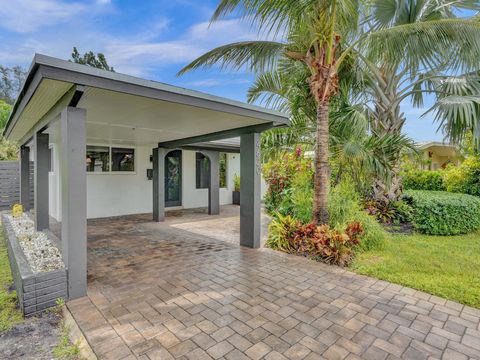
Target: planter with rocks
38,271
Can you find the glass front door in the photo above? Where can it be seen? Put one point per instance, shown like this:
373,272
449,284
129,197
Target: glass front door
173,178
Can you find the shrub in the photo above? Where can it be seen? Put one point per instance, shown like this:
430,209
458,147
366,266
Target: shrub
464,178
416,179
443,213
344,207
391,212
318,242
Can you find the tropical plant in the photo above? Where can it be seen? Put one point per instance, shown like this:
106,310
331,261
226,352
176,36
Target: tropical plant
236,182
441,43
322,36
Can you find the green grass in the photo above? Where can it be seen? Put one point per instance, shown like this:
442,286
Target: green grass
65,350
446,266
9,314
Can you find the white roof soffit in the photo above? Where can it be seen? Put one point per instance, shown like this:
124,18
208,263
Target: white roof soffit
113,99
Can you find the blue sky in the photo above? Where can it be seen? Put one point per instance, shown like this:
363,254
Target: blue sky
152,39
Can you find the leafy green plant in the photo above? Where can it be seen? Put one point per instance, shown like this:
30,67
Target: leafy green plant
236,182
280,230
389,212
464,178
443,213
65,350
417,179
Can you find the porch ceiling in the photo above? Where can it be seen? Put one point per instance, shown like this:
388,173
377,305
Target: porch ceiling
125,109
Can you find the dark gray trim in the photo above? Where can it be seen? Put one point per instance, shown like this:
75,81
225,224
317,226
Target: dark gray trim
77,96
250,190
25,177
220,135
213,182
40,174
158,183
224,149
74,199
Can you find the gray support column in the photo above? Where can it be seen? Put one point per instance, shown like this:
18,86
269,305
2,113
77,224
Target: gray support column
250,196
214,182
73,177
159,184
42,164
25,177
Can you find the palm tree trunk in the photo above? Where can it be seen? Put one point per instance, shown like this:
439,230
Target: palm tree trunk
322,171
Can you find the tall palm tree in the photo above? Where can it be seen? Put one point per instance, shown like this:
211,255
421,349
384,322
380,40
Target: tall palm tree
321,35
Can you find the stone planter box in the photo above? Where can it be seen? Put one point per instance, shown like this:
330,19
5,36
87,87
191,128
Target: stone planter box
236,197
35,291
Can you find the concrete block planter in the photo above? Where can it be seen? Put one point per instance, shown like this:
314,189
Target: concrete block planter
36,291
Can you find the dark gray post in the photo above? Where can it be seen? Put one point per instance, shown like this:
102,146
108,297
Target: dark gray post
25,177
250,171
74,199
214,183
42,164
159,184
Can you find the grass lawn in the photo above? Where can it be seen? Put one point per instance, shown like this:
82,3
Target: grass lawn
9,314
445,266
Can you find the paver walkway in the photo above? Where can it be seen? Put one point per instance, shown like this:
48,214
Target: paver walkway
159,292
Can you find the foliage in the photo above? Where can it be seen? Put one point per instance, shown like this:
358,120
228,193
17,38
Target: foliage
236,182
389,212
319,242
444,266
17,210
345,207
8,149
89,58
9,313
11,81
418,179
443,213
65,350
223,169
278,175
5,110
464,178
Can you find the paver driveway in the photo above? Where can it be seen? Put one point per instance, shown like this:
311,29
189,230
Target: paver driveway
157,291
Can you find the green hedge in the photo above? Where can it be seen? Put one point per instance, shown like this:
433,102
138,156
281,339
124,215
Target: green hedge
443,213
416,179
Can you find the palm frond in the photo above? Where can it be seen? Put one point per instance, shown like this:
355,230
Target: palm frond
256,56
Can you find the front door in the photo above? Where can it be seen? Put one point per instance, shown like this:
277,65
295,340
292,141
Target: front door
173,178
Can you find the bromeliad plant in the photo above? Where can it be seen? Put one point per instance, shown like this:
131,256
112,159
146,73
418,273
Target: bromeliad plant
318,242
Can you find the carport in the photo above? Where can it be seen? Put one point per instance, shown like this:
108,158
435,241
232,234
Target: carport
71,105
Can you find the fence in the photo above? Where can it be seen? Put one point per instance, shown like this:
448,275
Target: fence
10,184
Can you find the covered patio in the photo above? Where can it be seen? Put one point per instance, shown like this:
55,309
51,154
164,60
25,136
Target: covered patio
106,144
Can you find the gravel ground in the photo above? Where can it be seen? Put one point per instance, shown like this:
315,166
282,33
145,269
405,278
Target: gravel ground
33,339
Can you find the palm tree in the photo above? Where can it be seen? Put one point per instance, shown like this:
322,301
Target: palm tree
321,35
392,81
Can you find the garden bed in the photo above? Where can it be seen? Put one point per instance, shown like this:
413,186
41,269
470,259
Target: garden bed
39,275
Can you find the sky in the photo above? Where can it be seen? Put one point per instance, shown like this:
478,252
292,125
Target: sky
152,39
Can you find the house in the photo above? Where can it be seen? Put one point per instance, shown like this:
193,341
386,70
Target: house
438,155
107,144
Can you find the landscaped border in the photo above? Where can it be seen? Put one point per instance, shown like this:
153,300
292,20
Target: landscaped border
36,291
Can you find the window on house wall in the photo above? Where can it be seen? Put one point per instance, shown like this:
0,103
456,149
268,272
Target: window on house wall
98,158
223,170
202,171
123,159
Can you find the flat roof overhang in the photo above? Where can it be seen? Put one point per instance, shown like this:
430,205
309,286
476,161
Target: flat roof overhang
130,110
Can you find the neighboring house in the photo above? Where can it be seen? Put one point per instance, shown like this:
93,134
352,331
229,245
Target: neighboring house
438,155
107,144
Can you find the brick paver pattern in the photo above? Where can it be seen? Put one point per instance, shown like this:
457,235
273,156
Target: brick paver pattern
159,292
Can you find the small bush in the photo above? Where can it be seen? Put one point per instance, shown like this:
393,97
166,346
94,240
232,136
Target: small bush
318,242
416,179
443,213
391,212
464,178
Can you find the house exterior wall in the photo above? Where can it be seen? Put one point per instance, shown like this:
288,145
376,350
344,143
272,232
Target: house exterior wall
115,194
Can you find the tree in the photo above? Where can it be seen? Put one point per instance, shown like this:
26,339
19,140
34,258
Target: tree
321,35
89,58
11,82
5,110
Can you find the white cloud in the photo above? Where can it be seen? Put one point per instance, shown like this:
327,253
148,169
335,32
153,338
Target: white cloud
103,2
25,16
212,82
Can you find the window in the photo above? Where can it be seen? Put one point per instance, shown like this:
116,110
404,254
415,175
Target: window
202,167
101,159
98,158
123,159
223,170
